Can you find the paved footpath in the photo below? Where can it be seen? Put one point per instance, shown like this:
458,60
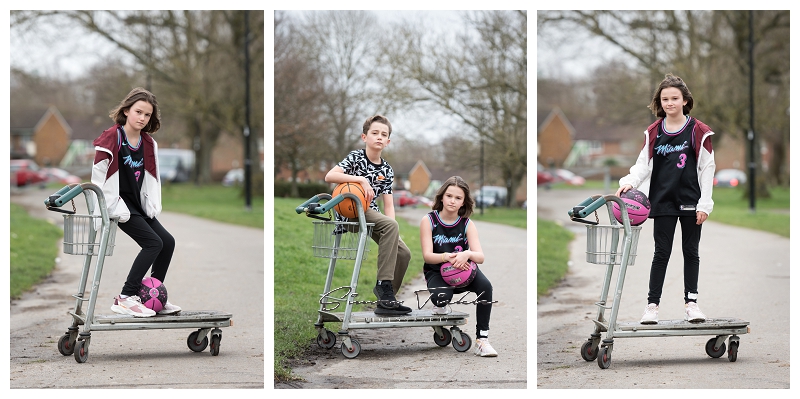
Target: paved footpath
408,357
216,266
743,274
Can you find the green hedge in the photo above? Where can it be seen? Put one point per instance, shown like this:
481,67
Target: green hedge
283,189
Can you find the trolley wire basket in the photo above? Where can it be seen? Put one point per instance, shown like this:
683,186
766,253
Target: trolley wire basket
604,244
81,238
338,240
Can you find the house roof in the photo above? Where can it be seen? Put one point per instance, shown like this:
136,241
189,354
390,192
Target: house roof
26,122
582,128
552,114
589,129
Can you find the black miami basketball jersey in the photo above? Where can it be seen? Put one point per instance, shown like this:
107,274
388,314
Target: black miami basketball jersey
447,237
131,174
674,186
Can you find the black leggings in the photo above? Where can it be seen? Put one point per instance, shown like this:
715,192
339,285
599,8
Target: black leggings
664,234
157,247
442,294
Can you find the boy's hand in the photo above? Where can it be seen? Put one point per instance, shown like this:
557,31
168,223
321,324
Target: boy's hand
701,217
368,191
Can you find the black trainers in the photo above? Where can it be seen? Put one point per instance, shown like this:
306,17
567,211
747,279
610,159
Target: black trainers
387,304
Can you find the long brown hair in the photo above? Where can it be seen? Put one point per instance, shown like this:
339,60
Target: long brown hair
138,94
671,80
466,207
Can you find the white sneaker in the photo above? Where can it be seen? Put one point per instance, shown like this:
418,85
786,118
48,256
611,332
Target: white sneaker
131,306
440,311
169,309
693,313
483,348
650,315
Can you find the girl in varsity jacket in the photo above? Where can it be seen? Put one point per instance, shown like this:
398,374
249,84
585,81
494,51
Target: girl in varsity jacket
676,170
447,235
126,168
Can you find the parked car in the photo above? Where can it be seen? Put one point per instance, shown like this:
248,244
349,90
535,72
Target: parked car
543,177
568,177
404,198
175,165
233,177
425,201
488,196
729,178
56,175
26,172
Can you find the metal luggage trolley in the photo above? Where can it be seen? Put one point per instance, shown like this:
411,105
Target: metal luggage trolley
615,245
93,236
348,240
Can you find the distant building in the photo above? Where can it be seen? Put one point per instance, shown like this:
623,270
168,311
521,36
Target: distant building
41,134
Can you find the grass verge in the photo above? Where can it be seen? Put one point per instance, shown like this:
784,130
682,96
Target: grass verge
516,217
215,202
32,257
552,242
732,207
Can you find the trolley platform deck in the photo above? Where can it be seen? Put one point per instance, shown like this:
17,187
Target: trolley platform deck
407,320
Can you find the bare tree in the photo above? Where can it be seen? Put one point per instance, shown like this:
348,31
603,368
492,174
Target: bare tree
343,47
300,118
481,78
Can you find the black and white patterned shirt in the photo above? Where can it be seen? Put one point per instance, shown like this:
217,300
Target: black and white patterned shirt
380,176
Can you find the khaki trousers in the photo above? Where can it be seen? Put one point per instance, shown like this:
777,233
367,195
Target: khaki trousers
393,254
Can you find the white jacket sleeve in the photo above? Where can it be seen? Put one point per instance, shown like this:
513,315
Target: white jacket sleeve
640,172
706,167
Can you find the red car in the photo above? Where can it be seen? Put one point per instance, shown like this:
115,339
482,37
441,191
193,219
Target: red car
60,176
543,177
404,198
25,172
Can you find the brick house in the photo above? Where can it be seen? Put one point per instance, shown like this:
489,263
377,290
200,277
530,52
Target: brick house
40,134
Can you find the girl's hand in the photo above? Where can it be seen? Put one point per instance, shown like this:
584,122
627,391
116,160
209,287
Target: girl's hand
701,217
623,189
460,260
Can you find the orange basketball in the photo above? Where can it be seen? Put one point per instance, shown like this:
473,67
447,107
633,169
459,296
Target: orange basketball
348,207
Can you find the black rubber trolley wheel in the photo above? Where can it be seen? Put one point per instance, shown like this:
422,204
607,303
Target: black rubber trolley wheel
216,339
604,358
197,345
65,347
588,352
327,341
351,354
467,343
713,351
81,351
444,339
733,351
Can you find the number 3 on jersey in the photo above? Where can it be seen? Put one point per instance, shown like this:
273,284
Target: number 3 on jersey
682,163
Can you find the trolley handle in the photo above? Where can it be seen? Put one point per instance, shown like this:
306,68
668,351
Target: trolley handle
586,207
62,196
312,205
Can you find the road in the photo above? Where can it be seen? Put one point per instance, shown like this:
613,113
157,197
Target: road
408,358
216,266
743,273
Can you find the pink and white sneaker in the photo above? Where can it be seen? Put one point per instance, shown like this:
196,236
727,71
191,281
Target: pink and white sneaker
169,309
131,306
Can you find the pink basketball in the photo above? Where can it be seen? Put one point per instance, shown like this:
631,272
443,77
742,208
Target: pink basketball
153,293
456,277
637,204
